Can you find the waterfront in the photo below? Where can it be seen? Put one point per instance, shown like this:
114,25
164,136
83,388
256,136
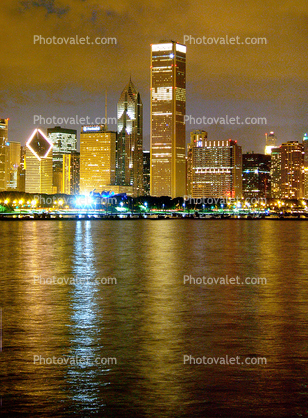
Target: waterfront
149,319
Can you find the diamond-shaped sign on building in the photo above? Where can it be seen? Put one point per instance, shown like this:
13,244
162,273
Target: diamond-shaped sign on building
39,144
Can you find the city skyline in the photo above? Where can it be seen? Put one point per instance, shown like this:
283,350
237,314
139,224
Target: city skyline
234,80
153,208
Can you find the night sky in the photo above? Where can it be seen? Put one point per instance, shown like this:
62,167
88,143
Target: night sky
236,80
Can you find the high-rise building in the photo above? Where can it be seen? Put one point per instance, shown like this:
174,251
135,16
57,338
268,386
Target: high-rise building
71,173
305,144
168,108
129,157
64,142
146,173
256,175
4,125
13,155
97,158
292,170
38,164
214,168
197,138
271,140
275,173
22,171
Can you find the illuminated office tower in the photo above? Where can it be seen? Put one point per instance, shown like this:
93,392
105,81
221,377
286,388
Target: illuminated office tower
256,175
271,140
22,171
64,142
146,173
97,158
292,170
4,125
71,173
13,156
197,138
305,144
168,108
275,173
38,164
129,155
214,168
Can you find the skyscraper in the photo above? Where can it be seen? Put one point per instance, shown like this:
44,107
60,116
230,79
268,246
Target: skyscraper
168,108
146,173
276,173
256,175
4,125
13,155
292,170
305,144
214,168
64,142
271,140
129,156
97,158
38,164
71,173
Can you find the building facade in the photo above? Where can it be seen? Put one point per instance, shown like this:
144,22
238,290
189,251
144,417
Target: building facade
168,108
292,170
13,169
38,164
270,143
276,173
97,158
71,173
256,175
214,168
4,127
64,142
146,173
305,144
129,156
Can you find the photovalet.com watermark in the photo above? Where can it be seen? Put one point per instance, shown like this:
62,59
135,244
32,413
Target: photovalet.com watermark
223,40
74,280
80,201
74,361
72,120
73,40
224,120
223,280
224,201
225,360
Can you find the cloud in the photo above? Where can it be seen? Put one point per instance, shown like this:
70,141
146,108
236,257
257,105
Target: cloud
275,71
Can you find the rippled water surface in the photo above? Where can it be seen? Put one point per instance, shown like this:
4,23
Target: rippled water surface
149,320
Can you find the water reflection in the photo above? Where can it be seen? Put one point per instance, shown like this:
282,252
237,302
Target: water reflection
86,325
150,319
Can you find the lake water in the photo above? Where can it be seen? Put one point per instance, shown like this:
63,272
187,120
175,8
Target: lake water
109,298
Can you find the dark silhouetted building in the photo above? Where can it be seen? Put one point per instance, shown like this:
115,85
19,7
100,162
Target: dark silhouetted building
146,173
256,175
